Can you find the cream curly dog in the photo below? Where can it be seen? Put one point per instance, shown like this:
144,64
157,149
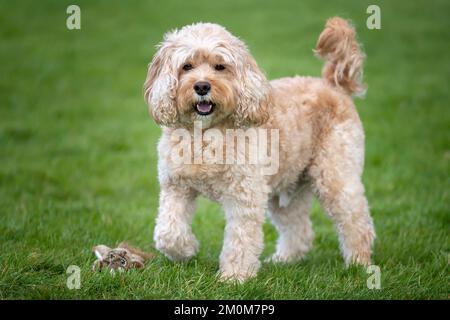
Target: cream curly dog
203,74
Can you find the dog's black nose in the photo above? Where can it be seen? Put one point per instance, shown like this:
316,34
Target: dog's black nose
202,87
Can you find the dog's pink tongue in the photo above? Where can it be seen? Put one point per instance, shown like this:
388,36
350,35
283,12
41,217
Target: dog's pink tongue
204,106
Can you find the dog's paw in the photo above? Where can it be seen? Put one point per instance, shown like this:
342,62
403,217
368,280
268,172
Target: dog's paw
233,277
279,257
179,248
358,259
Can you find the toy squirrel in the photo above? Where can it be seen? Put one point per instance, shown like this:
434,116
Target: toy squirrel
122,258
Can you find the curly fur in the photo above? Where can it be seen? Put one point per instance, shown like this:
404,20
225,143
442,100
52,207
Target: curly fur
343,55
321,147
168,93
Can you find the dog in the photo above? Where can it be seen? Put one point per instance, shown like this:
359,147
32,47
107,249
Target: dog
203,74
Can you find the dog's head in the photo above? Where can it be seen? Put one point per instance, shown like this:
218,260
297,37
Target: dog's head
204,73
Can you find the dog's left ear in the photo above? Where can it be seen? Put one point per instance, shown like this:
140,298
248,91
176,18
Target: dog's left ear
254,95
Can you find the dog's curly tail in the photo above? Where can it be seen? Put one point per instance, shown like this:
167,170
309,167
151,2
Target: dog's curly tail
343,55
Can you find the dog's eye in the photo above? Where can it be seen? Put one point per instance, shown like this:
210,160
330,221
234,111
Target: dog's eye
219,67
123,262
187,67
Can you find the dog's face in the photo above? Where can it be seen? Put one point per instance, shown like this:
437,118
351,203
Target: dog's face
203,73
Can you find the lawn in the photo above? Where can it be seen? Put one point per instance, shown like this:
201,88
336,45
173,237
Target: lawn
78,150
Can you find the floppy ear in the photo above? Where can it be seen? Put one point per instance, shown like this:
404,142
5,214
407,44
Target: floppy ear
254,95
101,251
160,86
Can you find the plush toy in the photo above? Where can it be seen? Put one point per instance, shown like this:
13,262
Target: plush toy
122,258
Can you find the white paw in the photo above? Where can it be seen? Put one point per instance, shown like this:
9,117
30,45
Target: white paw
358,259
283,257
230,272
180,248
235,277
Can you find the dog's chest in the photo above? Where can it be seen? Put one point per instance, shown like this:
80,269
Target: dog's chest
212,181
208,175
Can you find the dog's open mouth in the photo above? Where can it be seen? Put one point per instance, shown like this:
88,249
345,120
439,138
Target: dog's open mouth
204,108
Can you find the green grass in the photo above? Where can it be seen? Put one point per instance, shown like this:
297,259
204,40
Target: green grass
78,151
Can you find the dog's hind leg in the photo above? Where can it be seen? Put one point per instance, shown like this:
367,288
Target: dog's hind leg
336,174
293,224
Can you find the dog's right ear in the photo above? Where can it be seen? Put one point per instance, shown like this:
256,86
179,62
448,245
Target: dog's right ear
160,86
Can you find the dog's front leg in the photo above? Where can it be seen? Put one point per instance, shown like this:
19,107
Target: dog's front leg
173,235
243,242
